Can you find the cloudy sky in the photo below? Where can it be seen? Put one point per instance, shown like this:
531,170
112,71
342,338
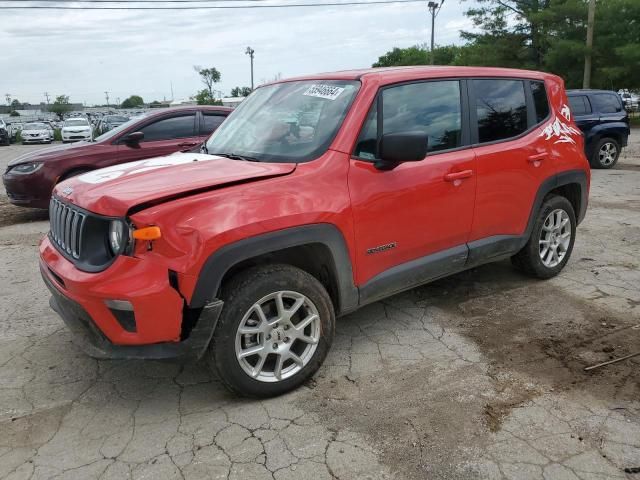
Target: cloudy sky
82,53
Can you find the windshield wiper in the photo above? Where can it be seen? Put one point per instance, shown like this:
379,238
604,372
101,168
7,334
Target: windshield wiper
234,156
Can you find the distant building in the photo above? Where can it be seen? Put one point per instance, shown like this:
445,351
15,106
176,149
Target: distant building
183,101
232,101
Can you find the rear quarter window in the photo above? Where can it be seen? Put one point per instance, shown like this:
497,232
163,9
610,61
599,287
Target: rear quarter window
540,101
607,103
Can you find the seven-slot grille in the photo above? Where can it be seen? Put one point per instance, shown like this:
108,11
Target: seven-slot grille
66,224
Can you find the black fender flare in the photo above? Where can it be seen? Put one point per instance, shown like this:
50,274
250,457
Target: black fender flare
326,234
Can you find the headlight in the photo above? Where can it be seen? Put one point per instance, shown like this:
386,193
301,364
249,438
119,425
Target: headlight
117,239
26,168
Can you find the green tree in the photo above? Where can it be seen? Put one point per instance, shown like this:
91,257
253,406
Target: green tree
203,97
60,106
134,101
209,77
550,35
240,91
418,55
14,114
16,103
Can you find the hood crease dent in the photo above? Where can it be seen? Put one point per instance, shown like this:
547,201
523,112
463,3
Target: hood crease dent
131,187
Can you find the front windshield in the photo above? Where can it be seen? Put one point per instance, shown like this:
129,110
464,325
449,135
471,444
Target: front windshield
35,126
113,132
286,122
76,123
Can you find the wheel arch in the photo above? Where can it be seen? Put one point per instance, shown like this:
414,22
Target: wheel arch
572,184
319,249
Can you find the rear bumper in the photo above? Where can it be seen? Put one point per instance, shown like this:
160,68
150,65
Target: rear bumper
154,328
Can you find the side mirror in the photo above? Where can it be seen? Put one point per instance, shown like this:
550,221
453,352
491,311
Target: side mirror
396,148
134,138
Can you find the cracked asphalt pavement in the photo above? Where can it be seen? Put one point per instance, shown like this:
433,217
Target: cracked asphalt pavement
478,376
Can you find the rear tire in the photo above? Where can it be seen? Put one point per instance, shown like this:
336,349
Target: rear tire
551,242
290,337
606,153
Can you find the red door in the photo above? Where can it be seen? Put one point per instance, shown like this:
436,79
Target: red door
512,165
418,208
162,137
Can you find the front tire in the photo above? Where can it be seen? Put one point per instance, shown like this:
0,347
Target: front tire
606,153
551,242
274,332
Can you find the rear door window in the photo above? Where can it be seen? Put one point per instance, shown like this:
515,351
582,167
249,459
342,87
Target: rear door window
501,109
607,103
170,128
433,108
579,105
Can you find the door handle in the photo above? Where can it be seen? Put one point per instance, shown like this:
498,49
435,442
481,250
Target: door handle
452,177
187,144
538,157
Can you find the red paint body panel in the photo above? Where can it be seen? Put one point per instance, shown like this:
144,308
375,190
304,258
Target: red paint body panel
412,206
216,202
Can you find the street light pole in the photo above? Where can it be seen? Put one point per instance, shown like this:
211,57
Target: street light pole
250,51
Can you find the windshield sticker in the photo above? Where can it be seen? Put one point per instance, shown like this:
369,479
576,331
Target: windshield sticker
324,91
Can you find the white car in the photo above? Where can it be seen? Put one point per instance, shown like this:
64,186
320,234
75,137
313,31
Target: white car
74,129
36,132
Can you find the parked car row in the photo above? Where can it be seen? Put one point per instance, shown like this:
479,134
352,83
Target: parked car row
631,100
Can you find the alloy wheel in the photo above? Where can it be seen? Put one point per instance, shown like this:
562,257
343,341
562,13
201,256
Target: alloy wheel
278,336
607,153
555,238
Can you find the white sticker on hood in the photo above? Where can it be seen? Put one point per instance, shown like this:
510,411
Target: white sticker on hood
330,92
110,173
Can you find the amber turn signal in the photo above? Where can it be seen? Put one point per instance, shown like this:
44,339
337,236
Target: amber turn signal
147,233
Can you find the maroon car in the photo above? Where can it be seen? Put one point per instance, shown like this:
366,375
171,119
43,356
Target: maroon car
30,178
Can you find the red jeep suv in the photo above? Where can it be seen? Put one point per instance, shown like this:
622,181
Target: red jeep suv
29,179
318,195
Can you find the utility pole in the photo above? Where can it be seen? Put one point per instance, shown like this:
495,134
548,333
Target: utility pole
106,94
46,95
8,97
434,9
250,51
586,80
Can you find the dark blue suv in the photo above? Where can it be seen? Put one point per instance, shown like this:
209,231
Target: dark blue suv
602,118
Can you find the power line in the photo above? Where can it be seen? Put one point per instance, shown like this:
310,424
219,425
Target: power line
205,7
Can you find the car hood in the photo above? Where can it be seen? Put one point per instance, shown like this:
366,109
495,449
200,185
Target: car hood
56,153
115,190
79,127
40,130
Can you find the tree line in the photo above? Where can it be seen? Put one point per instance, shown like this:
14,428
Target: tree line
547,35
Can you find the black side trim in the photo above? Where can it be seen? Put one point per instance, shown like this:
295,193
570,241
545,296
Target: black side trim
95,344
414,273
326,234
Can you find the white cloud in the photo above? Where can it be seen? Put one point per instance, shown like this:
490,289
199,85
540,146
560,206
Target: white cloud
84,53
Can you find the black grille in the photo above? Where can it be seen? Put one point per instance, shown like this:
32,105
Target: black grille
66,225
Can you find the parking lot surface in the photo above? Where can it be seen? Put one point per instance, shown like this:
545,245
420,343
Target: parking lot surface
477,376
